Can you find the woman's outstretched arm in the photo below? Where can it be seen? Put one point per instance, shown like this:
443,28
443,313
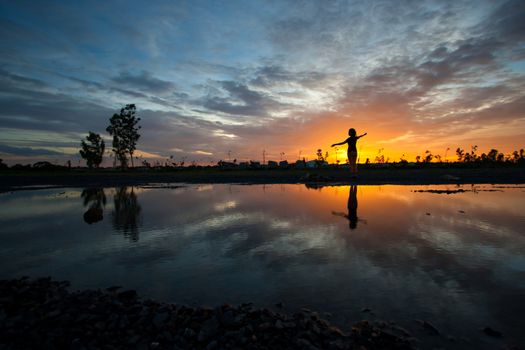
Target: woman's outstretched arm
339,214
361,135
340,143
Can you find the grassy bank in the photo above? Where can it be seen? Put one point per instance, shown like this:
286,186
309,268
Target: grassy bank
13,179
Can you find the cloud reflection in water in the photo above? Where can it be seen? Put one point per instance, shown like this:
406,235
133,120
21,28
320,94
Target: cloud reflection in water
264,244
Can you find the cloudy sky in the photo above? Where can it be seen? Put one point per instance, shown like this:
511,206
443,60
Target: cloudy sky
212,77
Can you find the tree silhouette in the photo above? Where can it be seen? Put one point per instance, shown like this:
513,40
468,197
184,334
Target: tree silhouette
492,155
515,156
380,158
428,157
124,129
93,151
320,158
460,153
473,155
446,152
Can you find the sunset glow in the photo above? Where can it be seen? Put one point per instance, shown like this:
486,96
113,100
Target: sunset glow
229,80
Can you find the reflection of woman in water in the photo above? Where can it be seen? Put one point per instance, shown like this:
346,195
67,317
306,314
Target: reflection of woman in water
352,208
352,149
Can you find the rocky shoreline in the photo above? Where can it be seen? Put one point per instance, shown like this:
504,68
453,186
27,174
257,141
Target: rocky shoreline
45,314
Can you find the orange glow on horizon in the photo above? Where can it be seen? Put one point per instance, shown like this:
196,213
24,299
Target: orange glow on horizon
388,138
294,140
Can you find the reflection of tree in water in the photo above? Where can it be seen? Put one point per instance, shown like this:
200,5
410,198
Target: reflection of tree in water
126,215
96,200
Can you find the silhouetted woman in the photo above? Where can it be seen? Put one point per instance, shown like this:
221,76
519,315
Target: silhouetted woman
352,149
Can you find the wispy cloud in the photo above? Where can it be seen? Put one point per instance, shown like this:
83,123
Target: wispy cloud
288,78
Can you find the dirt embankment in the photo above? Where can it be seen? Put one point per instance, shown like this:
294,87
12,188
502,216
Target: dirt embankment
10,180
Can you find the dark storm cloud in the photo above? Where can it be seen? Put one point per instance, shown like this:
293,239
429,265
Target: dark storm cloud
439,59
462,60
30,104
8,79
241,100
27,151
143,82
405,86
406,79
170,133
471,56
507,22
98,87
90,85
53,112
342,32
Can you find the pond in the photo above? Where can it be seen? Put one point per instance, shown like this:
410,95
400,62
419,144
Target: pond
450,255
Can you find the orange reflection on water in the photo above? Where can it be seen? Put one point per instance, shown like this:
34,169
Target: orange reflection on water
389,210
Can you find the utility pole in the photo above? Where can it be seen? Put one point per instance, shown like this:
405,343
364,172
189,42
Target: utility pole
264,156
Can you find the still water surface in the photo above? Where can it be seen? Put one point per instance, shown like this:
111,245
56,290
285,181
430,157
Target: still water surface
456,260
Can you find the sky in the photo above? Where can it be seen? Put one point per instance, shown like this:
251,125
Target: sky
226,80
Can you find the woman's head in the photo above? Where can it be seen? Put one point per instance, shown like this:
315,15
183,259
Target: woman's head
351,132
